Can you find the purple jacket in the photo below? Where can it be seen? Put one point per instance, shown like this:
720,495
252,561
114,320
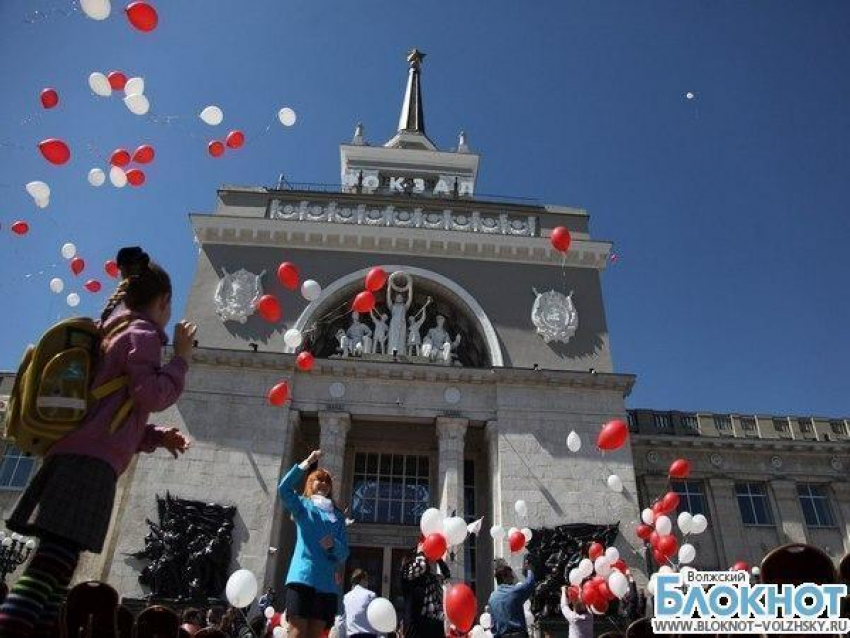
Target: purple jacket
135,352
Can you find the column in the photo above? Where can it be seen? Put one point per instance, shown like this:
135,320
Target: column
333,432
841,510
789,513
451,433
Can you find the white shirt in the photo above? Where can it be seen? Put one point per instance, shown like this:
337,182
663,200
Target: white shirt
356,603
581,625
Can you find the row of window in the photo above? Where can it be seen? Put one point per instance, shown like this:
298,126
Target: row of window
723,424
754,505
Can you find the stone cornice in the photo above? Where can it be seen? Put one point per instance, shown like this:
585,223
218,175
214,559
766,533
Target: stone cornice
255,231
739,444
352,368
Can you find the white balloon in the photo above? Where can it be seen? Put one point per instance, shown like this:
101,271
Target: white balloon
42,202
687,553
137,103
38,190
287,116
269,612
57,285
618,584
278,632
615,483
699,524
521,508
478,632
663,525
381,615
455,530
134,85
69,251
431,522
527,533
292,338
96,9
685,522
241,589
602,566
73,300
647,516
311,290
97,177
585,567
118,177
497,533
212,115
486,621
612,554
573,442
99,83
666,569
756,571
575,576
650,586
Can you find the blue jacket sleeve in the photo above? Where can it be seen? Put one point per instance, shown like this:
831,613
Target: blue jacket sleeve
286,489
341,550
524,590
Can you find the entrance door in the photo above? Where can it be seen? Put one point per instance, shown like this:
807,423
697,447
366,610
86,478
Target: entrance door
371,561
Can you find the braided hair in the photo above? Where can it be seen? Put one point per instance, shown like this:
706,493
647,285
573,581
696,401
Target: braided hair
142,281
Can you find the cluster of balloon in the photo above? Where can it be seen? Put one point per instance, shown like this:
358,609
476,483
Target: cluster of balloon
54,151
441,533
275,622
560,239
279,394
599,578
234,140
40,192
375,279
141,15
119,174
134,90
517,538
49,98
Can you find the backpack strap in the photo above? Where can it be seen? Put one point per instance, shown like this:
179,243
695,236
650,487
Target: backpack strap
121,416
110,386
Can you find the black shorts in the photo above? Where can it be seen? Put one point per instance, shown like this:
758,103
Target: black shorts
305,602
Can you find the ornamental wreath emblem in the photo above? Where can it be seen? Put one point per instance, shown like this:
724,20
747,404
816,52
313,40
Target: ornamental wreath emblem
237,294
554,316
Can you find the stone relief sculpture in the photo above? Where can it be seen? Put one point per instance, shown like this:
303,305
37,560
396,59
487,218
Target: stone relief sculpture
554,315
438,345
398,306
414,325
237,294
379,337
357,340
188,550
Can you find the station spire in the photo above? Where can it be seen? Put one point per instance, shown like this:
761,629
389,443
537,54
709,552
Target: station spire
412,117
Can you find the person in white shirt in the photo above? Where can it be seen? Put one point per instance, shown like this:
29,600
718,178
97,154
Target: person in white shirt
580,619
356,603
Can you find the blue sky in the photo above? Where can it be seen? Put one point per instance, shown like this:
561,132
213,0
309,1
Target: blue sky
729,212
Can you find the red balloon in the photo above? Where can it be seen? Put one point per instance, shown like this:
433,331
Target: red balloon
670,502
142,16
117,80
279,394
600,608
654,537
305,361
613,435
589,594
54,151
620,565
658,509
364,302
78,265
287,275
92,285
275,620
741,565
573,593
461,607
215,148
604,592
643,532
235,139
516,541
595,550
668,545
560,239
269,308
680,469
659,557
20,227
434,546
135,177
375,279
144,154
119,157
112,269
49,98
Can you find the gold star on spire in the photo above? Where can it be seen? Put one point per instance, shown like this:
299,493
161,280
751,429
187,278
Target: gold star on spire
415,57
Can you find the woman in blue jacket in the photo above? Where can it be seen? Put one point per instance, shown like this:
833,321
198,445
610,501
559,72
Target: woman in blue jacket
312,589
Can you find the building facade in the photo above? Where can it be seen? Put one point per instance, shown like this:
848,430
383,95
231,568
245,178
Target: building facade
457,392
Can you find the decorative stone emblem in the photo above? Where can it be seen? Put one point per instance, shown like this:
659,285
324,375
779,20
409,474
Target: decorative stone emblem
652,458
554,315
237,294
451,395
776,462
716,459
336,390
836,464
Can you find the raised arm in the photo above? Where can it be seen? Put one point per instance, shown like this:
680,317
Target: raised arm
286,489
526,588
415,568
153,387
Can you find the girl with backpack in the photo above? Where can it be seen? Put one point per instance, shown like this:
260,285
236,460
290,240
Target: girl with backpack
68,503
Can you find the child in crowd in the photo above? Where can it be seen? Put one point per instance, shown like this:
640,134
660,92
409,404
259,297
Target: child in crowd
69,502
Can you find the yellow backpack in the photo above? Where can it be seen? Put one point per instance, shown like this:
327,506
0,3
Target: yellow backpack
52,391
